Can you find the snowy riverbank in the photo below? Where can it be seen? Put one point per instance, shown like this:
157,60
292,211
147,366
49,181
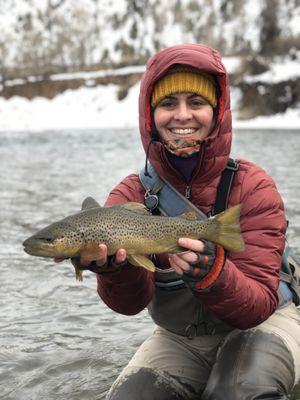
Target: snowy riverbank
98,107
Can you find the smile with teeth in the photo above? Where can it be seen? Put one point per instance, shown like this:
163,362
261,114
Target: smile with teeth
180,131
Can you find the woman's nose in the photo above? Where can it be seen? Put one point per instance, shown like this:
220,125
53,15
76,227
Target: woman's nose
182,112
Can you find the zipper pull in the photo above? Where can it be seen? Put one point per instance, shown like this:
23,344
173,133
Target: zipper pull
187,192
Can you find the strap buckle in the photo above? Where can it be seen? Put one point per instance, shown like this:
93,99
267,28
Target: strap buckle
232,165
191,331
151,200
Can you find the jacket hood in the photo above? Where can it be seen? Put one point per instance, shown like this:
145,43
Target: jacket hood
216,146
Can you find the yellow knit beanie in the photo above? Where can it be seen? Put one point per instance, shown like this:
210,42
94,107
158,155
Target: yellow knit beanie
180,79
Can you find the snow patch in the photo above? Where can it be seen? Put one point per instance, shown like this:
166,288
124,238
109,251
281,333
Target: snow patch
282,70
288,120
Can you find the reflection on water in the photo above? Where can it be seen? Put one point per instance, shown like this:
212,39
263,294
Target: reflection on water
58,341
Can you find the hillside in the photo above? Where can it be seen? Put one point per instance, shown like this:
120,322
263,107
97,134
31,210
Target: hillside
91,41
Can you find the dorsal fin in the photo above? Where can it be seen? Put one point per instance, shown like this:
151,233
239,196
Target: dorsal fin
190,215
89,202
136,207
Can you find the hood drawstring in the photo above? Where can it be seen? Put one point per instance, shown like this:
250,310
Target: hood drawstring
146,173
154,137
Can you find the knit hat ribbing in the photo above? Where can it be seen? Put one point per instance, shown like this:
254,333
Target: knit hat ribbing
180,79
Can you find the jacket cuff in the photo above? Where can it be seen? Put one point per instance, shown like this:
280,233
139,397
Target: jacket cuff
111,267
127,273
215,270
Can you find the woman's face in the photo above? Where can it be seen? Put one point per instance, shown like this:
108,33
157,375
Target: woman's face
183,115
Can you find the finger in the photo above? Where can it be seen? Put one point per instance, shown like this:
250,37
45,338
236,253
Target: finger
191,244
121,256
174,266
178,263
188,256
177,270
99,255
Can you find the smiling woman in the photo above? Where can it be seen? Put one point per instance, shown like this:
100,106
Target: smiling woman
183,101
185,116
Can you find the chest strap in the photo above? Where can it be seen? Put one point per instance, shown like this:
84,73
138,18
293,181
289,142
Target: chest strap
224,187
163,196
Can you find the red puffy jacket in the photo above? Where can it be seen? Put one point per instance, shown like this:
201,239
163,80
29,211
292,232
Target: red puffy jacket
245,293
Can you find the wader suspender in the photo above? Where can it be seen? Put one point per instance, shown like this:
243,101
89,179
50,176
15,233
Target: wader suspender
162,196
224,187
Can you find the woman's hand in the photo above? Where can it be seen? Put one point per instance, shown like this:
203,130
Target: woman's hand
200,265
99,257
98,260
181,262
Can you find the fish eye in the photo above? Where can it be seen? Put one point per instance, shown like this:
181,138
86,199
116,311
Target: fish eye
47,239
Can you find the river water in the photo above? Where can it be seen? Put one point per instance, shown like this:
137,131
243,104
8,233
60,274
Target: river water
57,339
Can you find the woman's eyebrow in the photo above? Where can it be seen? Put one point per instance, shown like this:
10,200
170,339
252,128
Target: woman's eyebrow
194,95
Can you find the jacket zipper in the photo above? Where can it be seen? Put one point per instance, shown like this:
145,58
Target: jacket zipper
187,187
188,192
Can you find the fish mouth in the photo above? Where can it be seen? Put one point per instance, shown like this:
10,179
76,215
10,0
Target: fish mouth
38,248
49,248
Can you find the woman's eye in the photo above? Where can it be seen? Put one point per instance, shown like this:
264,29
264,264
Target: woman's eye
167,105
197,103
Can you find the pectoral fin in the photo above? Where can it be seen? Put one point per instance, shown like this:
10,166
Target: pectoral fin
78,272
141,261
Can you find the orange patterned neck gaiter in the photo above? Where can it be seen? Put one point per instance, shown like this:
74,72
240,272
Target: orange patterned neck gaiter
183,147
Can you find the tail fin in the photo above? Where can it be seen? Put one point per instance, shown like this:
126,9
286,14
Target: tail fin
227,230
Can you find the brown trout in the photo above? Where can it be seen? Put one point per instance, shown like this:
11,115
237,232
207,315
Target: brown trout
130,226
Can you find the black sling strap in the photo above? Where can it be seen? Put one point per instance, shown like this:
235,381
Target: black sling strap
224,187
